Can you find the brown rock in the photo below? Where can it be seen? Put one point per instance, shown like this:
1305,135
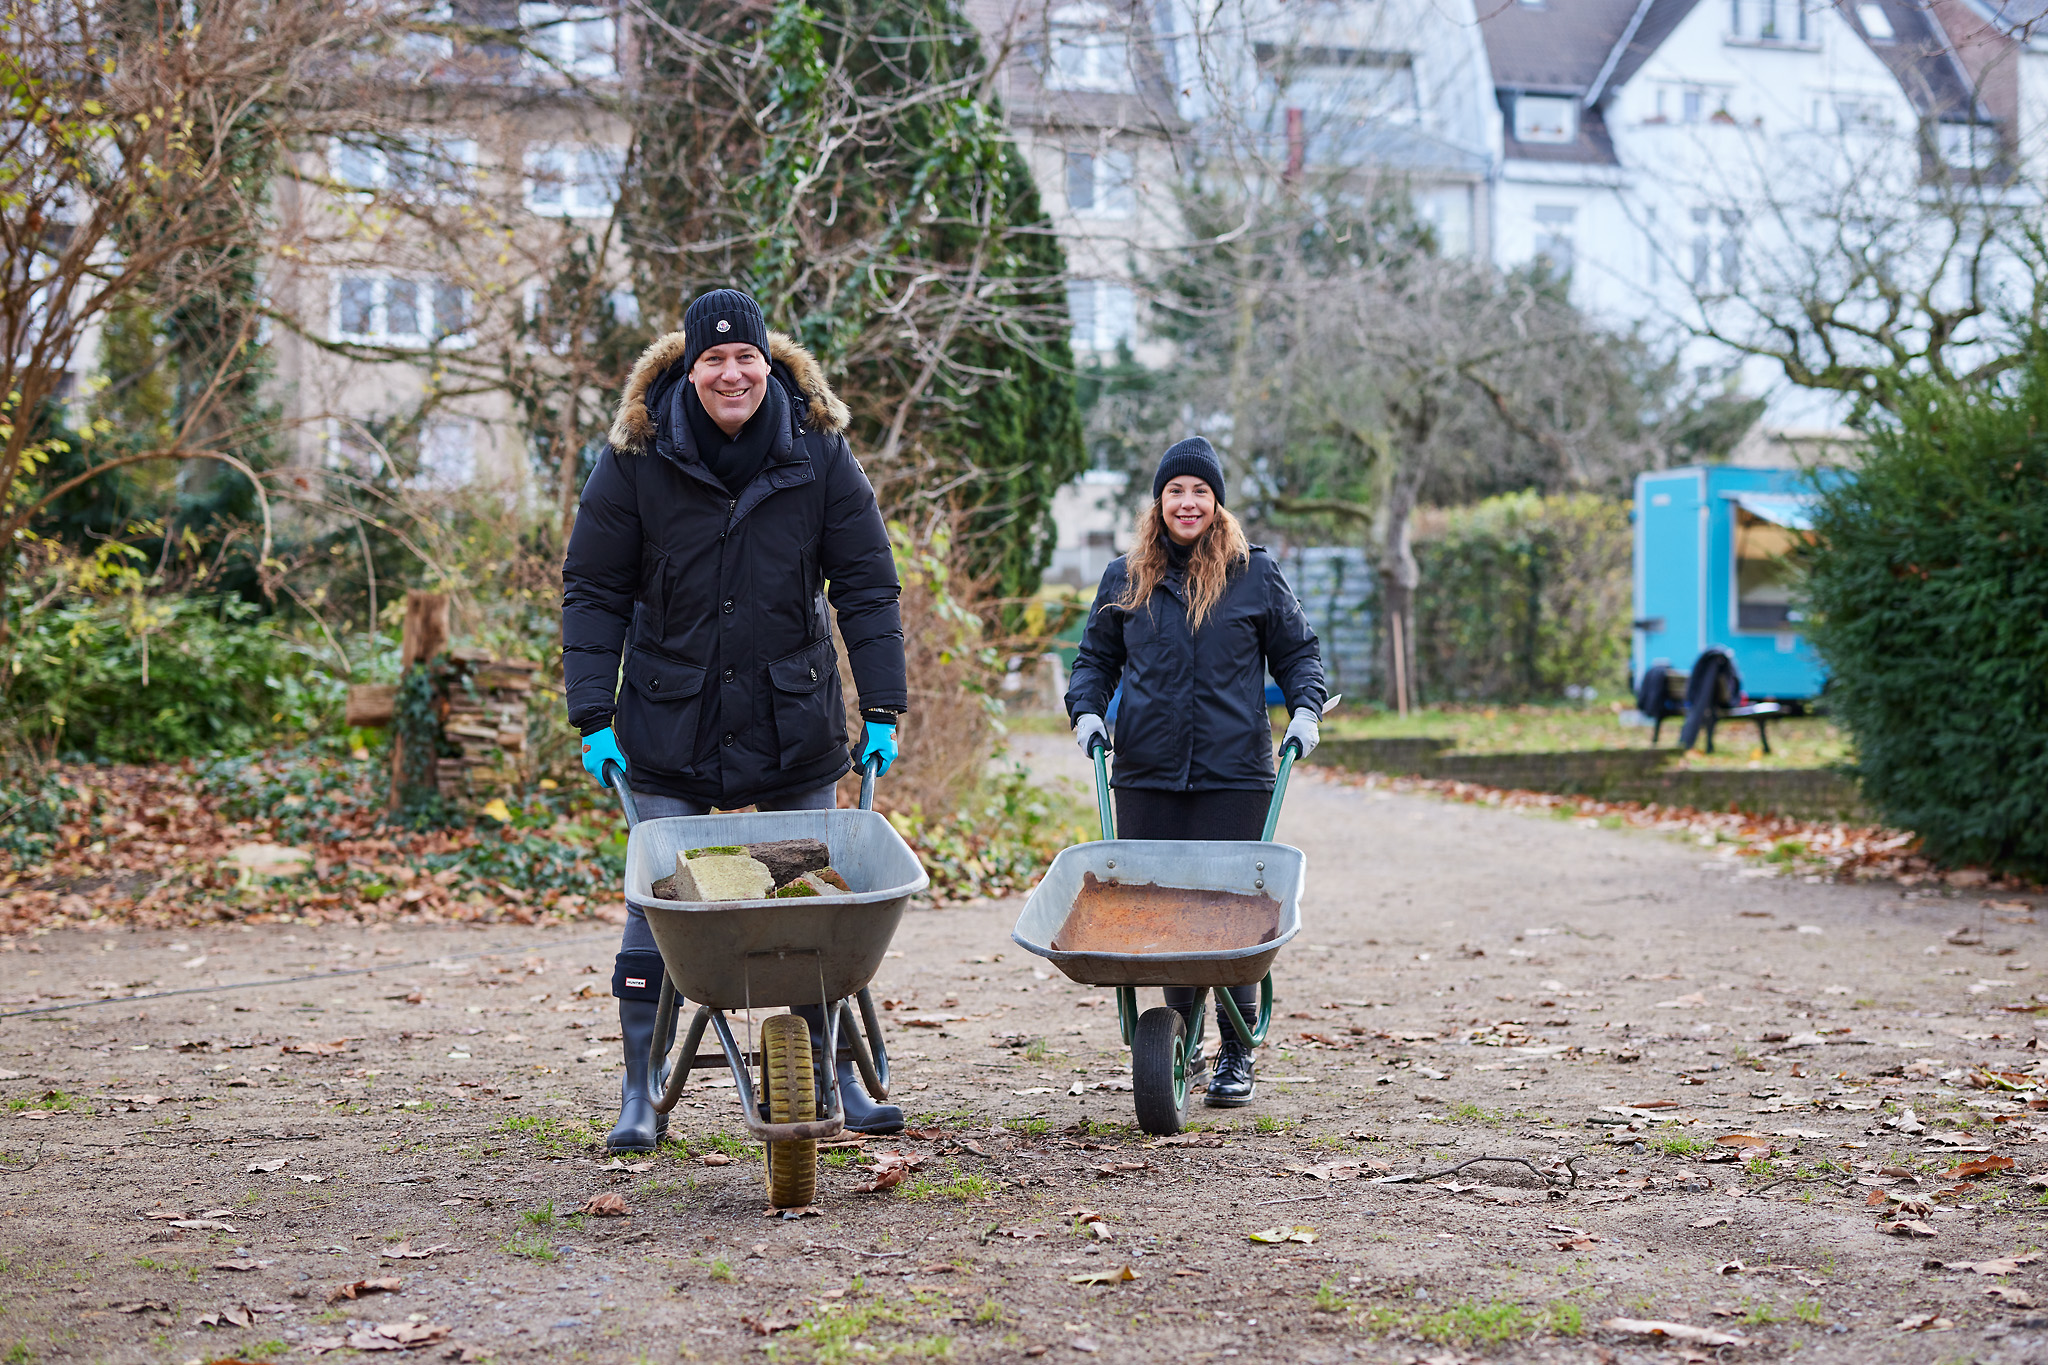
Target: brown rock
788,859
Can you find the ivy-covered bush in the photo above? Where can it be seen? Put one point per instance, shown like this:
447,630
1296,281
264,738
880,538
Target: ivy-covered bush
1523,596
1928,589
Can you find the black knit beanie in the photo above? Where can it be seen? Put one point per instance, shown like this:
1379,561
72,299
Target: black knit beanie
718,318
1194,457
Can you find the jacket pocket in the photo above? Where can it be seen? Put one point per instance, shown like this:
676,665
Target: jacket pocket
657,718
808,716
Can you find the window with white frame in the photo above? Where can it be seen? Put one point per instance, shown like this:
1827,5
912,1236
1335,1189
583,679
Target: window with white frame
352,448
566,181
390,310
571,40
1101,184
1546,118
1556,226
1769,21
1088,48
447,454
1967,146
420,167
1104,315
1344,86
1716,242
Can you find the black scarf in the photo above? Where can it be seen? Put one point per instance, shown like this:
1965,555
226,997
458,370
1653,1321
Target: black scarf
735,460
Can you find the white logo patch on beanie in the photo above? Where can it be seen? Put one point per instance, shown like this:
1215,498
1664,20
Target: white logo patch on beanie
724,326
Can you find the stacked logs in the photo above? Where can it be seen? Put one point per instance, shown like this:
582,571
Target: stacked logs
479,704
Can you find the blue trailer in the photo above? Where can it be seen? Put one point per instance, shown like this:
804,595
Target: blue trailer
1710,569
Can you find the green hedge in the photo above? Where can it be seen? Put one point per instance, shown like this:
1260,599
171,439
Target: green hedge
1928,589
146,679
1523,596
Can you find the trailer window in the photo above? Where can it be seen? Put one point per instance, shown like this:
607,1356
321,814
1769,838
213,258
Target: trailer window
1766,579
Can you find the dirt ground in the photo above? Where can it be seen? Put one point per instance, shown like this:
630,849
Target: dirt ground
195,1177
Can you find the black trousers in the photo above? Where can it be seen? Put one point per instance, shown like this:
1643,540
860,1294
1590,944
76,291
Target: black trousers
1211,815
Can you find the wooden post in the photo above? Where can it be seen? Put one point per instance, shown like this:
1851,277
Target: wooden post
426,634
1400,663
426,628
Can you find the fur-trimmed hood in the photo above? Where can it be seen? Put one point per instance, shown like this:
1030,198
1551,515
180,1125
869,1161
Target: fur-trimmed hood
633,427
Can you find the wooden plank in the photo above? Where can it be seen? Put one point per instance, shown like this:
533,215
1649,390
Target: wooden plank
370,704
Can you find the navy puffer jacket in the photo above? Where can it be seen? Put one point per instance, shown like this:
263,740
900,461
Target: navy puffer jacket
1193,715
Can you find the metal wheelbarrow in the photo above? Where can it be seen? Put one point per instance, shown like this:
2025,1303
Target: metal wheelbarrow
768,954
1164,912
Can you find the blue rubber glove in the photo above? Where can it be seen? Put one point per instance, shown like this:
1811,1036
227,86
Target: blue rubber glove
878,741
599,748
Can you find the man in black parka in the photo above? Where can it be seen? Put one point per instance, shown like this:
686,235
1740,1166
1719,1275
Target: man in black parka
724,512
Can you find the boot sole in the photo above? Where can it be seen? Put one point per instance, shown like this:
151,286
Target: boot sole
1229,1102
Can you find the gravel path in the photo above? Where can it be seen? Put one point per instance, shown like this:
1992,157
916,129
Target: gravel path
1610,1006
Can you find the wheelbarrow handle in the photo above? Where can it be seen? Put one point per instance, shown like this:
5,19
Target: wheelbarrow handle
625,793
1098,750
868,771
1289,751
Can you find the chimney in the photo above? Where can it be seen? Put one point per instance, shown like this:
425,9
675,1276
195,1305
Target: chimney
1297,150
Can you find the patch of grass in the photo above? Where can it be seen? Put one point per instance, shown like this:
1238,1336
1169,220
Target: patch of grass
263,1350
554,1134
1758,1167
1565,1319
990,1314
1273,1123
1808,1311
18,1354
542,1217
739,1149
1679,1146
722,1271
1031,1128
1495,1323
532,1245
1328,1300
55,1101
845,1156
1474,1114
1037,1050
1759,1313
972,1185
838,1333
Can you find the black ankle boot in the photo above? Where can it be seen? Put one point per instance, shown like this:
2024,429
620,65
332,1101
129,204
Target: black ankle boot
863,1114
1231,1085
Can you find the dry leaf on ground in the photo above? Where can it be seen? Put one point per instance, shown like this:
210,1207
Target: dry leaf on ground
2006,1294
230,1315
406,1251
276,1163
1117,1276
1963,1170
397,1336
2004,1265
1906,1227
606,1206
1719,1220
715,1159
768,1327
390,1284
1274,1236
1925,1322
1743,1140
1674,1331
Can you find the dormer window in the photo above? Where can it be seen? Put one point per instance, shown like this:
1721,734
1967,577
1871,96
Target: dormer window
1550,119
1089,50
1769,21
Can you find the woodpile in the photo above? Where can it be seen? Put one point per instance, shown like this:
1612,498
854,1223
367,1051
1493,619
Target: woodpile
479,703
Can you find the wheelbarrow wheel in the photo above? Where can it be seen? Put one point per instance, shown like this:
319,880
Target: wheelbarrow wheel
790,1089
1159,1070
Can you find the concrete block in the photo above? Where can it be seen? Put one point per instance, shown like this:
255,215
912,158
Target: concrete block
722,877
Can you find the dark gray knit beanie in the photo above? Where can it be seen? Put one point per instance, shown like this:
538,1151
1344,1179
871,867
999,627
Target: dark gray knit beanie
1193,457
718,318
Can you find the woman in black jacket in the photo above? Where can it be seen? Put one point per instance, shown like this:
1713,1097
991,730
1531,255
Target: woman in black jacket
1190,622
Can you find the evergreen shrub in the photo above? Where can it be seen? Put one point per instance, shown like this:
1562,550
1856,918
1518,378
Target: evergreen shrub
1928,591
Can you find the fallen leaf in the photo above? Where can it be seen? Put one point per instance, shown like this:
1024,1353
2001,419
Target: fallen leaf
237,1265
276,1163
397,1336
1963,1170
1906,1227
406,1251
2004,1265
715,1159
357,1288
1744,1140
2006,1294
1729,1268
1925,1322
636,1168
1274,1236
1674,1331
606,1206
1717,1221
1022,1234
317,1049
230,1315
887,1179
1684,1002
1117,1276
201,1225
140,1306
768,1327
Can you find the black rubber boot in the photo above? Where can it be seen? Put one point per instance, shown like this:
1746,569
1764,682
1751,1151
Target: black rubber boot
1231,1085
863,1114
637,983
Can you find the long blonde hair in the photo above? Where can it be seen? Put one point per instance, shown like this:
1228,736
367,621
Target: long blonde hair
1221,549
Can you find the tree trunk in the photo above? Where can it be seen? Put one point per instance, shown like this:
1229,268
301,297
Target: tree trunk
1399,575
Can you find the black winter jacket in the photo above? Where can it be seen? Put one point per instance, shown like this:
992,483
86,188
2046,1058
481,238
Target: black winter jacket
717,602
1193,715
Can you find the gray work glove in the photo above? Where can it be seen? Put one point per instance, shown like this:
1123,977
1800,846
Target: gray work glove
1304,729
1086,727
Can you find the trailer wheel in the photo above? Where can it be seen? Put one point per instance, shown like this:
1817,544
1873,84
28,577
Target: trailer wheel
1159,1070
790,1089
